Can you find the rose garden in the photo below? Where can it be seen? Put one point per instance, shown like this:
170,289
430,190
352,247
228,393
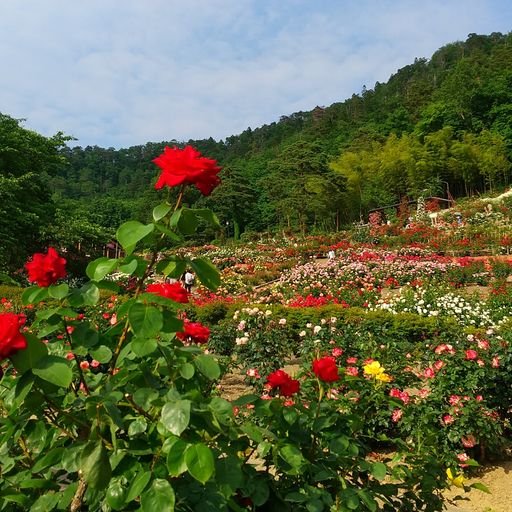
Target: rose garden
375,380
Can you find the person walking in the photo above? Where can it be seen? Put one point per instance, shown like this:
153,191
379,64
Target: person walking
189,280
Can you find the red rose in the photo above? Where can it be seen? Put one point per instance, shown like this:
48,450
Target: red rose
172,291
194,332
471,354
280,379
46,269
11,340
325,369
187,166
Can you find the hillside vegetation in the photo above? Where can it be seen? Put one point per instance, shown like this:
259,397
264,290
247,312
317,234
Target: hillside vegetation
436,125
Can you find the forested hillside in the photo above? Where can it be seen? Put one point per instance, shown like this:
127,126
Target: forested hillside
437,123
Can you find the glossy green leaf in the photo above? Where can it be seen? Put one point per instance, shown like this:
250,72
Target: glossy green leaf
207,273
137,426
176,464
172,267
208,216
200,462
145,321
378,470
84,335
58,291
97,270
481,487
116,495
54,369
102,354
208,366
95,465
132,232
143,346
292,455
129,267
33,295
25,359
49,459
176,416
159,497
187,370
160,211
138,485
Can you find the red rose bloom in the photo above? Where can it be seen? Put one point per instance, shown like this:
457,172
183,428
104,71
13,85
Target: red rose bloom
325,369
187,166
11,340
46,269
172,291
194,332
281,380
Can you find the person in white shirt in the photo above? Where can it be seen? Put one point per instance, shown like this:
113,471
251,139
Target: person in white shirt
189,280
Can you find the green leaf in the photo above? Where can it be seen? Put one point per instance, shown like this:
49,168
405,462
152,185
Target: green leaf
159,497
228,471
222,410
23,360
144,397
481,487
185,220
187,370
33,295
116,495
160,211
171,234
138,485
200,462
176,416
95,465
208,216
54,369
50,459
138,426
176,464
87,295
102,354
98,269
129,268
292,455
207,273
59,291
84,335
132,232
145,321
378,470
172,267
367,499
207,365
143,346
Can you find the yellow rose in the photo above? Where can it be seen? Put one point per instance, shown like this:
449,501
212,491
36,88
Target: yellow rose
384,377
373,368
458,480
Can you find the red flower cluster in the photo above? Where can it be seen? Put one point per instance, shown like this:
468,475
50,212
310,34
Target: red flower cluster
325,369
172,291
11,340
187,167
46,269
194,332
281,380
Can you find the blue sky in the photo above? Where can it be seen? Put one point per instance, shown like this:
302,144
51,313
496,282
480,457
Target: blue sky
124,72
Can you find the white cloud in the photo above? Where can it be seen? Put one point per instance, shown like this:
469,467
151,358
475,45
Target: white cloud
120,73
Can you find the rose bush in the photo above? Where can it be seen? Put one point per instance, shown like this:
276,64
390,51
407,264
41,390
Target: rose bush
118,410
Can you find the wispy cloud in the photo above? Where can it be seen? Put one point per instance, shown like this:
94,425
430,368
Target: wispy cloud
118,73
